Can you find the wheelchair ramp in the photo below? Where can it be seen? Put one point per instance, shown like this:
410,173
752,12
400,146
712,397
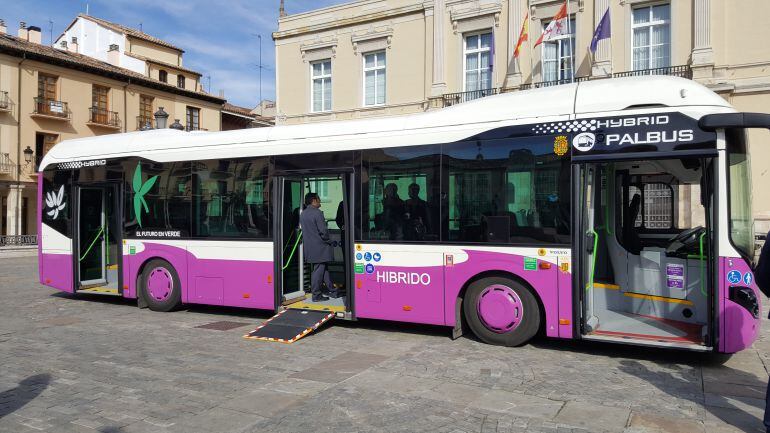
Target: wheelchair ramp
290,325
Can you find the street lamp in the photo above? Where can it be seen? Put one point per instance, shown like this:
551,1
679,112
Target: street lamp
161,117
28,155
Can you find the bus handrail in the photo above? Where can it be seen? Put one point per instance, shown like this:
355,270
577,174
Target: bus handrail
88,250
293,250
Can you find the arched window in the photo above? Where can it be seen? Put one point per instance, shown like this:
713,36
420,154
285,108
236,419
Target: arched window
163,76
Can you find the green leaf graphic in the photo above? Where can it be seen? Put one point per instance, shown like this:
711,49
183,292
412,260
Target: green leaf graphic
140,190
148,185
138,210
138,177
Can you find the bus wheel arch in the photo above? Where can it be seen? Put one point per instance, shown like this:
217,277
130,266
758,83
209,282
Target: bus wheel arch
493,290
158,285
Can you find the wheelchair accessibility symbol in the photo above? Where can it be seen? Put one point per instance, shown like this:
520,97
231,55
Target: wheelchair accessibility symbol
734,277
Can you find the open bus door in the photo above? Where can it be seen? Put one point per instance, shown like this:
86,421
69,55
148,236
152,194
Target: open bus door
97,234
645,237
293,282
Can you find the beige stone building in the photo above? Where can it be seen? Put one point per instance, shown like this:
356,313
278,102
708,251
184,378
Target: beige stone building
390,57
50,94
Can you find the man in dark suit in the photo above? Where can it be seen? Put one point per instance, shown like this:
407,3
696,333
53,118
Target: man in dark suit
317,247
762,278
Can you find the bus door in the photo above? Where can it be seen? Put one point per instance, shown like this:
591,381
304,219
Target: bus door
294,288
644,240
97,237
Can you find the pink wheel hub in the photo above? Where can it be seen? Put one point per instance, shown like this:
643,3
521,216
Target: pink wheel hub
500,308
160,283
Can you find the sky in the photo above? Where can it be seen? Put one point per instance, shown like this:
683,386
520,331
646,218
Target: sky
220,38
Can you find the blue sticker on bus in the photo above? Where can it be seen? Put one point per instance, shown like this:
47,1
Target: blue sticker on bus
368,256
377,257
369,268
734,277
748,278
359,256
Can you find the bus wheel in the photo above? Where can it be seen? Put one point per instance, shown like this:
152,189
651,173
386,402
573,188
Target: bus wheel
160,285
501,311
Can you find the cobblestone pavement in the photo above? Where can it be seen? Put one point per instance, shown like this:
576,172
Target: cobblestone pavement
93,364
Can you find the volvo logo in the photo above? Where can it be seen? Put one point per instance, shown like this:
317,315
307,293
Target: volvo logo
584,141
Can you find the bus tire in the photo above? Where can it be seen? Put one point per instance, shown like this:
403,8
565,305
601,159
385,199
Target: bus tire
160,286
501,311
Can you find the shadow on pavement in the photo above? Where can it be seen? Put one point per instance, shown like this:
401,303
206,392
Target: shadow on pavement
718,405
27,390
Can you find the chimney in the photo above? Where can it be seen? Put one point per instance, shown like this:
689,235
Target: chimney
34,35
113,55
74,45
3,29
23,31
63,45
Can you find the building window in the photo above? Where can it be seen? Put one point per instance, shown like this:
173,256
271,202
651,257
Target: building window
180,81
321,94
99,104
374,78
46,87
557,56
163,76
193,118
651,38
145,111
43,143
477,55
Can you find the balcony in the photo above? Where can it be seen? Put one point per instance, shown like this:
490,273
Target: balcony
103,118
450,99
143,123
51,109
6,165
194,128
5,102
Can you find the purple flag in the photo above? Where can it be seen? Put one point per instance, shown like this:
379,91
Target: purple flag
603,31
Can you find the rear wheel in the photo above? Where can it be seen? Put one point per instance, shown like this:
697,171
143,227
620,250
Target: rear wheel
501,311
160,286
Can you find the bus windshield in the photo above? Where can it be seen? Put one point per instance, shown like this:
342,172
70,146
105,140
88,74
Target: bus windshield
741,222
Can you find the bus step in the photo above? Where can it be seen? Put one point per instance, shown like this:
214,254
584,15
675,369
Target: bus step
100,291
290,325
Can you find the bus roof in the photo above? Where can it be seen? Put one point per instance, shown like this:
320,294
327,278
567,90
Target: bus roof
444,125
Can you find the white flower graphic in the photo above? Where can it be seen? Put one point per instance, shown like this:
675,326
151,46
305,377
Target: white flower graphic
55,201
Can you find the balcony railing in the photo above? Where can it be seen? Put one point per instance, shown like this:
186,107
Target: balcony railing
103,117
460,97
18,240
194,128
6,165
143,123
450,99
52,108
5,101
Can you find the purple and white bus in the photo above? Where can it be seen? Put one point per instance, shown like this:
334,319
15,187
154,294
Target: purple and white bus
615,210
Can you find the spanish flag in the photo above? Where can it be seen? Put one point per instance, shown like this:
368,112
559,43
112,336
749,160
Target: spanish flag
523,36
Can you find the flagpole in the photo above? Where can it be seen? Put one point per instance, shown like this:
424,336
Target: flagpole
571,45
531,51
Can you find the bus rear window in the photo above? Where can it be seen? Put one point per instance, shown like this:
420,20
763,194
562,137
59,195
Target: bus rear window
739,177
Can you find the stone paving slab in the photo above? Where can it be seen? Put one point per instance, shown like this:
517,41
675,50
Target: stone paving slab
98,364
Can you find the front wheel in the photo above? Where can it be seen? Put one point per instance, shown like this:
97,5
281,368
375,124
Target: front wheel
501,311
160,286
